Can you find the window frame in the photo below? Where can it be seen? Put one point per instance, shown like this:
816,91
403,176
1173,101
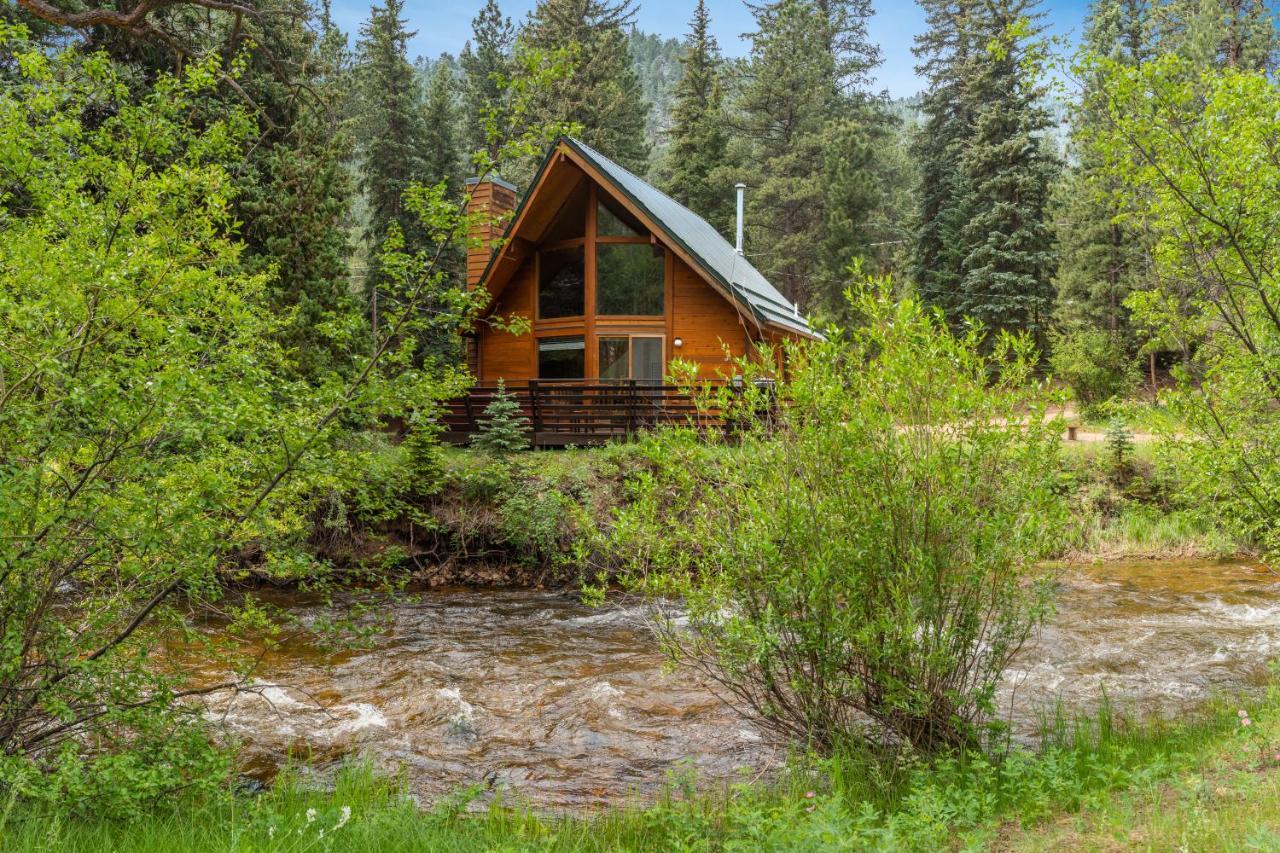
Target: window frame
592,325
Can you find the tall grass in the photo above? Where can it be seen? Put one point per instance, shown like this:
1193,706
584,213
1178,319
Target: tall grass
1142,531
852,801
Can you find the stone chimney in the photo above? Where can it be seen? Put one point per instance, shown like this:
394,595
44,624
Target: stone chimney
496,198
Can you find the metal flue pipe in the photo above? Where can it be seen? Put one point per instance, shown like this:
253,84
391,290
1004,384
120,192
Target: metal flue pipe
742,189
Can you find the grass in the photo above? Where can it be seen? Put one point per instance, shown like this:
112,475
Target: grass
1094,784
1142,531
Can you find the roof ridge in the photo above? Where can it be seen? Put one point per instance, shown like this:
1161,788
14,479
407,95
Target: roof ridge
616,164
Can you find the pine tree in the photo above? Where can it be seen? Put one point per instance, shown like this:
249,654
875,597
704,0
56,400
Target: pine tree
984,249
946,50
296,200
292,191
485,61
504,427
602,95
1218,33
805,132
692,171
442,159
1009,170
1100,258
391,132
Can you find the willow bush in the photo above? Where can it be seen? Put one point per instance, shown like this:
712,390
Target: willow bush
863,560
153,438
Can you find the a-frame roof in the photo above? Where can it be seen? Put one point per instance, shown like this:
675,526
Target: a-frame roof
685,231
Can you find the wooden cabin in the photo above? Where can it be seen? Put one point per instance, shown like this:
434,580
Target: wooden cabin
615,279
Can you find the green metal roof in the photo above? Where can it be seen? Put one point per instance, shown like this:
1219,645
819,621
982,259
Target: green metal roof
716,256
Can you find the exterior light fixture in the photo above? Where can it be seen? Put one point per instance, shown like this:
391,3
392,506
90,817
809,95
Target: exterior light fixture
679,342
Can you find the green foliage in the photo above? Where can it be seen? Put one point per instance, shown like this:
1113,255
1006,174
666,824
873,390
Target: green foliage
601,94
152,432
145,403
1195,149
845,803
692,171
486,62
391,133
504,429
806,132
867,552
1094,364
1101,258
1120,448
984,249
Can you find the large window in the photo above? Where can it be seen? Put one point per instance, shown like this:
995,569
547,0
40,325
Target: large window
562,358
630,280
560,283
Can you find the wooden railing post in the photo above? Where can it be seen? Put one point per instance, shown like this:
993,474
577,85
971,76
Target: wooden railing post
535,414
471,418
632,407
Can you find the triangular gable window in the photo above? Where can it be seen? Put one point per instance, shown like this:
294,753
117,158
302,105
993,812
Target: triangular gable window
613,221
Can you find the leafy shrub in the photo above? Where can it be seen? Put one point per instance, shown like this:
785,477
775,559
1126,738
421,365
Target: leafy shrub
505,429
1094,364
871,553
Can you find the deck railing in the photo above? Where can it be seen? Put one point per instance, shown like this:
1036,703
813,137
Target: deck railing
563,412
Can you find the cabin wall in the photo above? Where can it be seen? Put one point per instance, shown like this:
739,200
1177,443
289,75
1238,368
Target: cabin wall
706,322
502,354
711,332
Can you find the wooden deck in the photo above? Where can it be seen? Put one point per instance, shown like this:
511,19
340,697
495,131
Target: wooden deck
581,412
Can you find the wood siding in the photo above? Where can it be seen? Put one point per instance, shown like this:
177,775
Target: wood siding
706,322
710,327
502,354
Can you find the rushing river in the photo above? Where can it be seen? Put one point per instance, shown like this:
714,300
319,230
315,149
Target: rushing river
570,705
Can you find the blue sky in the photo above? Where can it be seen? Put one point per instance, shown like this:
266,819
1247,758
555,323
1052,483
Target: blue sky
444,26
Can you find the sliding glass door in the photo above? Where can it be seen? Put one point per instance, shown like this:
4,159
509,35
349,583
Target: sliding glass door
632,357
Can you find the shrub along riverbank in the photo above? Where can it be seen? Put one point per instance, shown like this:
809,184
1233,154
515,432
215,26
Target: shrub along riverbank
547,518
1212,781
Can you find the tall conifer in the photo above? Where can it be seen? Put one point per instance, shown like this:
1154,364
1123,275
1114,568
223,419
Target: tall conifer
392,133
603,94
485,61
1100,258
693,170
984,248
806,128
1009,169
946,50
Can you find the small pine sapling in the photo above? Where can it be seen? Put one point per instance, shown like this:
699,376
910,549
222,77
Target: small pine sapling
504,429
1120,448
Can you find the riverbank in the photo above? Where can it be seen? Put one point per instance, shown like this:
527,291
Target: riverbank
546,519
1101,784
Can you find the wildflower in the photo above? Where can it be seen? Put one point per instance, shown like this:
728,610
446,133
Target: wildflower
1246,722
809,810
342,821
311,815
271,832
1242,713
808,795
